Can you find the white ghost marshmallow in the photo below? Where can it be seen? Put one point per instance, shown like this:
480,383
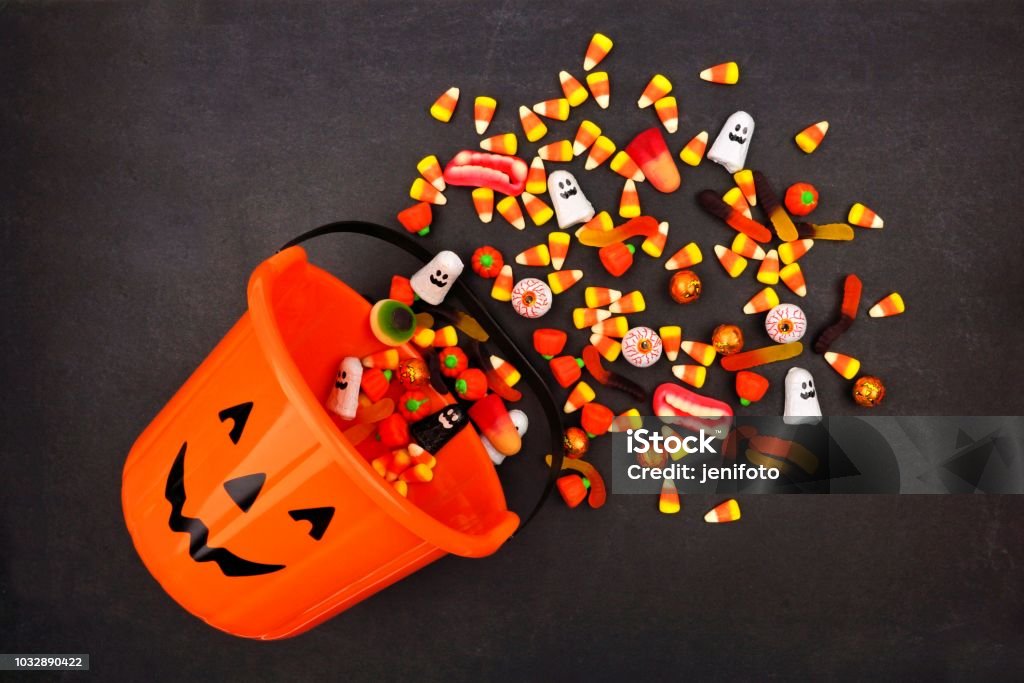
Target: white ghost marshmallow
521,422
571,205
432,282
801,398
344,398
732,143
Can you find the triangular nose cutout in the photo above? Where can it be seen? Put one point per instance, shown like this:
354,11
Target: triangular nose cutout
238,415
319,519
243,490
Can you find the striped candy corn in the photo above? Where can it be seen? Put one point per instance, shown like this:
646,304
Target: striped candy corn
654,245
764,300
734,198
694,375
624,165
430,168
534,256
444,106
424,337
658,87
671,338
684,258
557,109
573,90
505,143
586,134
608,347
793,251
588,317
746,247
729,511
580,396
629,204
889,306
599,152
628,419
768,273
630,303
561,280
745,181
725,74
502,288
600,88
446,336
483,202
509,209
694,150
422,191
537,178
733,263
793,278
483,112
668,112
612,327
600,46
600,296
386,359
533,128
506,371
558,247
602,221
668,499
846,366
699,351
810,137
556,151
864,217
540,212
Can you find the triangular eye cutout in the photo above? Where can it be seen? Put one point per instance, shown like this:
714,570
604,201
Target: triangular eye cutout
239,415
243,490
320,518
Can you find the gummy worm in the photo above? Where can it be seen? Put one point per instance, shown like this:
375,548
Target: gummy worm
847,314
592,361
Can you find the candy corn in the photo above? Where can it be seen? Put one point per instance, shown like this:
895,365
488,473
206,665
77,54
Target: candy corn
483,112
768,272
699,351
534,256
628,419
746,247
573,90
444,106
612,327
793,278
602,221
599,152
684,258
557,109
671,338
766,354
502,288
423,338
889,306
556,151
483,202
624,165
608,347
561,280
668,499
558,247
430,168
580,395
847,366
725,74
586,135
600,88
533,128
588,317
745,181
386,359
810,137
658,87
729,511
654,245
422,191
630,303
600,46
764,300
600,296
861,216
733,263
629,204
734,198
668,113
506,143
509,209
540,212
694,375
537,178
694,150
446,336
792,251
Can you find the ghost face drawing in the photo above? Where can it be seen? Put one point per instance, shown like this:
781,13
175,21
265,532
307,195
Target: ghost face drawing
432,282
571,205
732,143
344,398
801,398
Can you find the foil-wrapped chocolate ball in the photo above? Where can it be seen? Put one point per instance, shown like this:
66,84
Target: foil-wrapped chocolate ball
868,391
575,443
727,339
684,287
413,373
651,458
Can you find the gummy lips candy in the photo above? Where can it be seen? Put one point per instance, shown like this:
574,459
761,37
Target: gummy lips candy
678,405
501,173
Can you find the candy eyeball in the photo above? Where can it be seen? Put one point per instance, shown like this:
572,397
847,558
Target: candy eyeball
641,347
785,323
531,298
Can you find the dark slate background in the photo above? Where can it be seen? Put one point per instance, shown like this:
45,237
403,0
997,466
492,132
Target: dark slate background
153,154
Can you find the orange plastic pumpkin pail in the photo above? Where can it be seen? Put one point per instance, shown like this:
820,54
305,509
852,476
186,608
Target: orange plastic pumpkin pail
247,502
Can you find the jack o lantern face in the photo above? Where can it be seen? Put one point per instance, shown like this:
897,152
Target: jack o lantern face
243,490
